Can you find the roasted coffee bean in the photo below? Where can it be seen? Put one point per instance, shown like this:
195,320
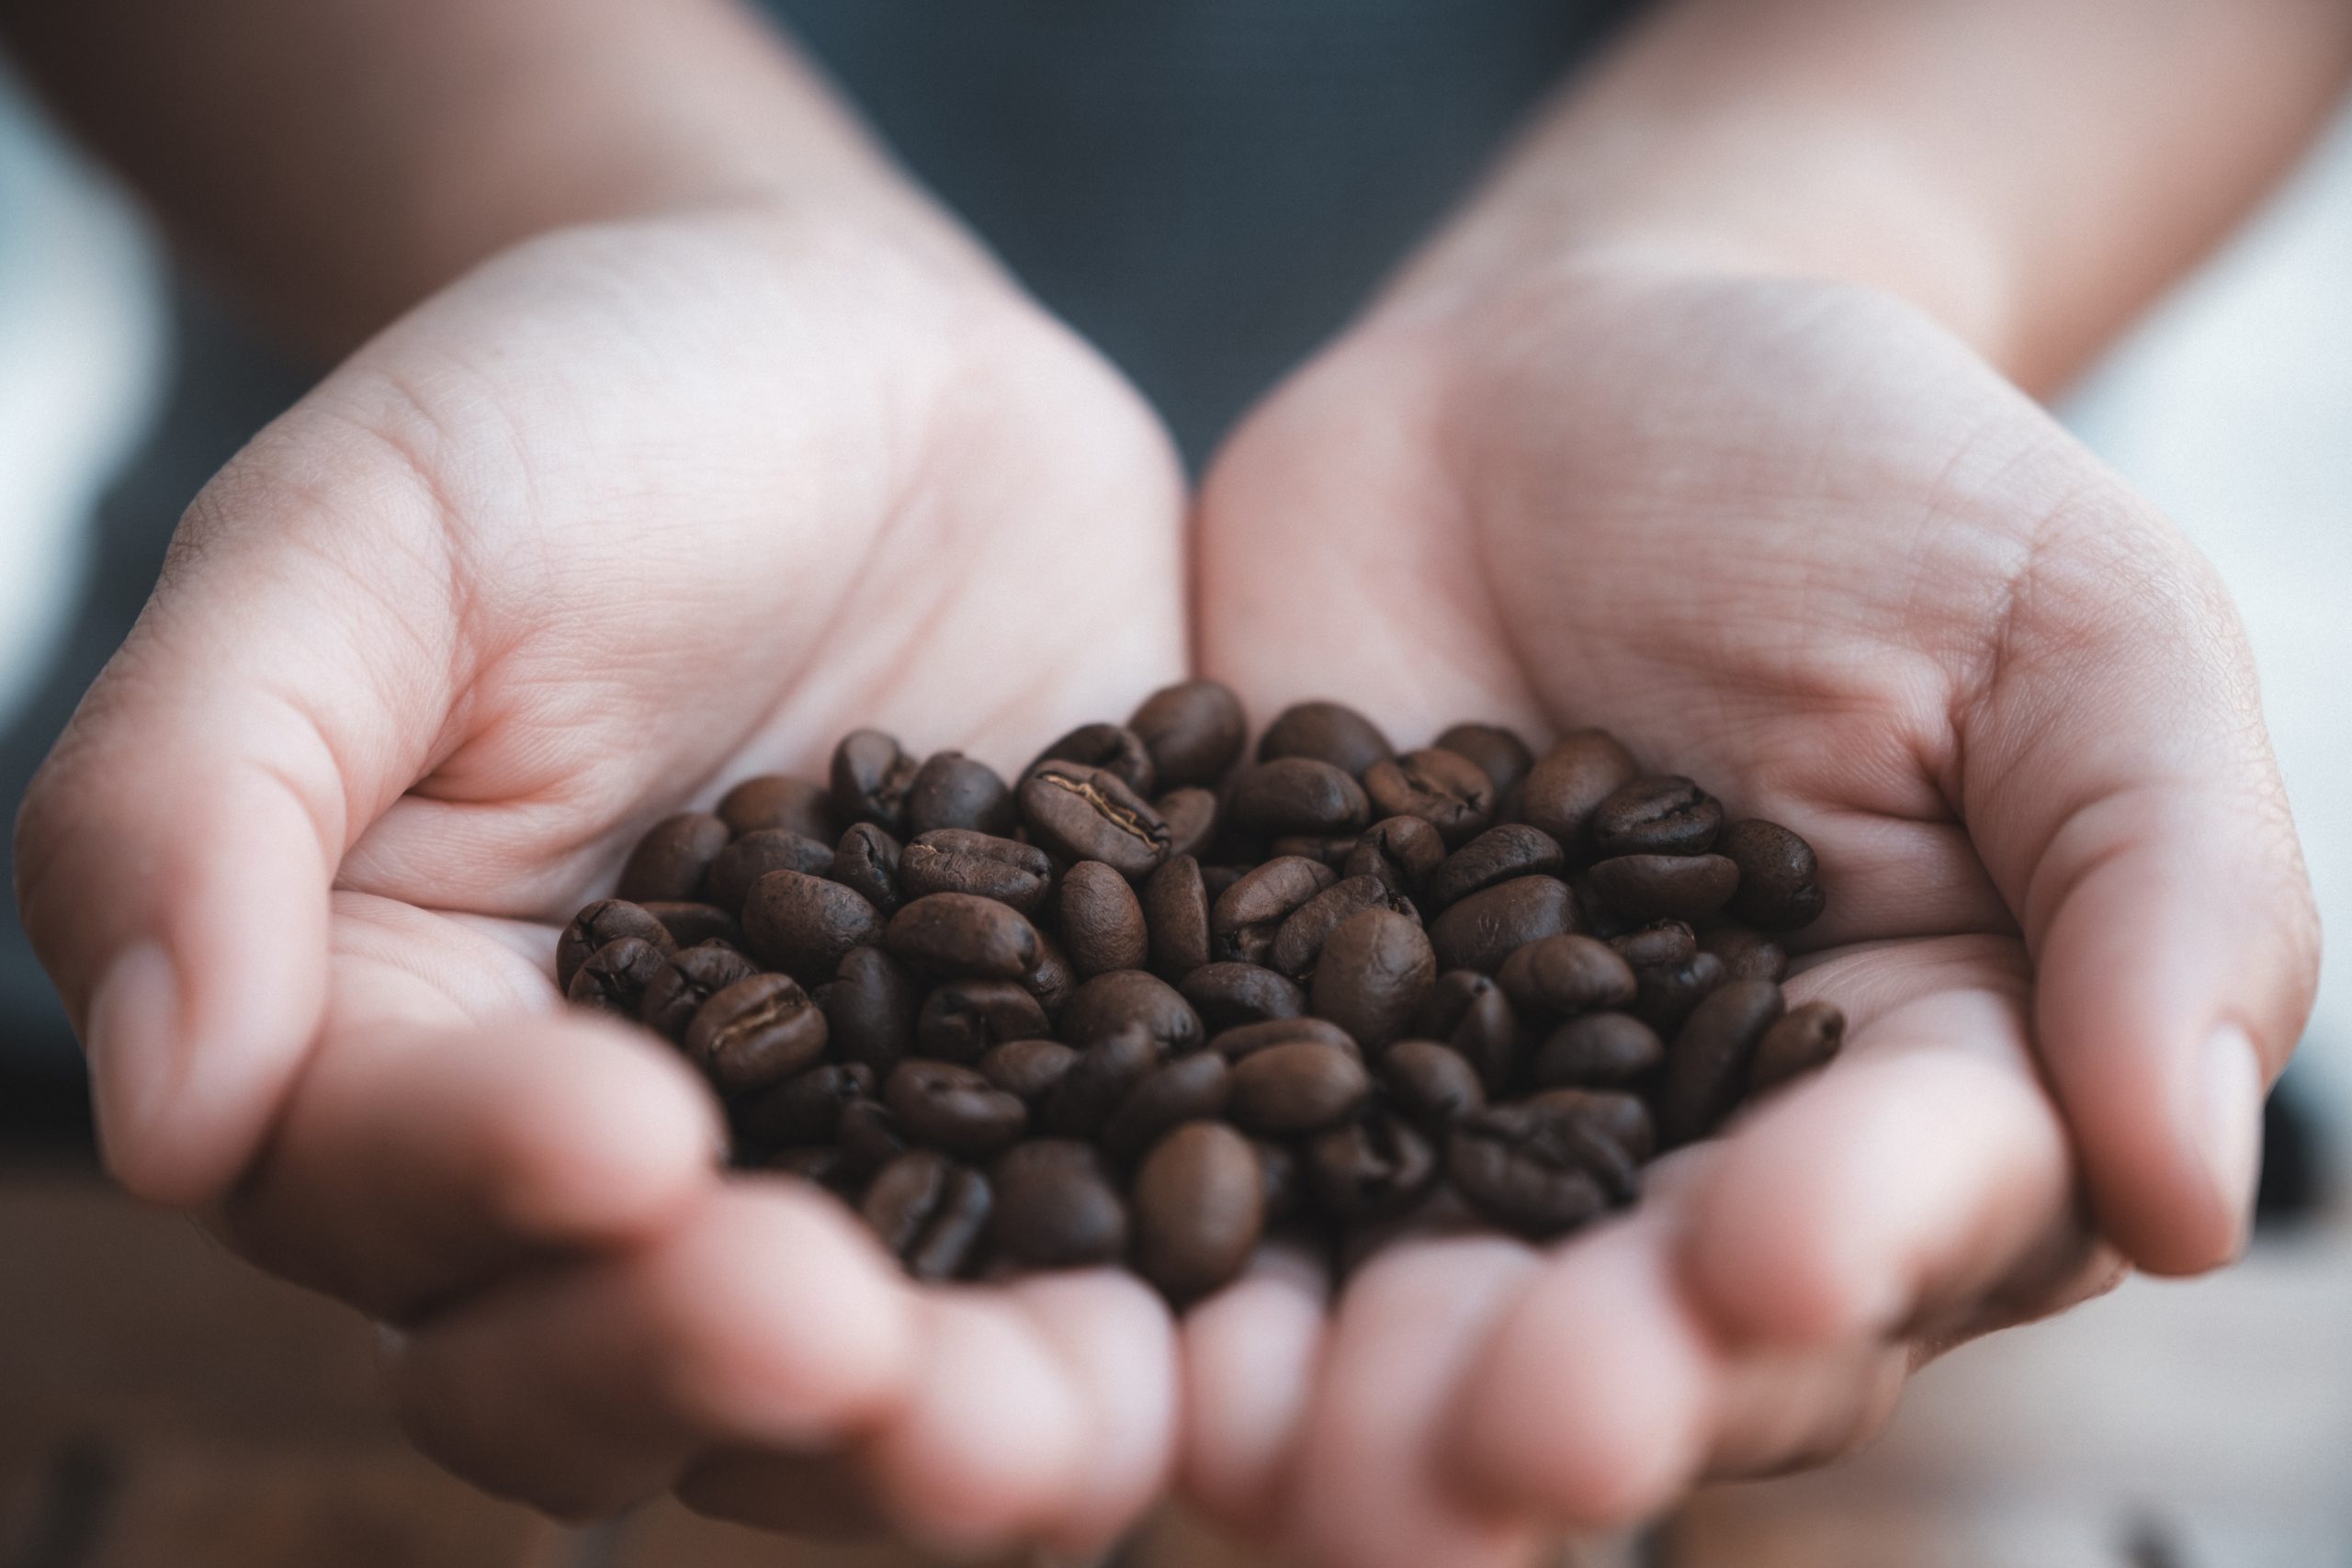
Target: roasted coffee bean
964,1019
1495,856
871,776
1331,851
943,1106
1747,954
1295,795
773,800
669,861
1030,1068
1403,851
1113,748
819,1163
1247,916
1126,999
1195,731
804,1108
1055,1207
1326,732
1600,1050
964,935
1372,1169
951,790
1779,877
752,855
1468,1011
1176,917
1707,1063
956,860
1284,1182
866,862
1623,1119
1193,817
616,976
1216,878
1568,783
1664,888
1100,919
1445,789
803,925
687,979
869,1138
1481,930
1565,975
1091,1089
1436,1210
1433,1084
870,1008
930,1212
1500,753
1804,1038
1247,1039
1298,941
1083,813
691,922
1540,1171
1302,1087
1053,981
1191,1088
1200,1207
605,920
1665,993
1663,945
1658,813
756,1034
1375,971
1230,994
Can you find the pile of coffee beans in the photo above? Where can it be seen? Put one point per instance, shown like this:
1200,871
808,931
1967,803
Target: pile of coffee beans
1150,1003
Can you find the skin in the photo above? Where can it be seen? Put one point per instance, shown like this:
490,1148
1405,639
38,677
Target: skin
630,501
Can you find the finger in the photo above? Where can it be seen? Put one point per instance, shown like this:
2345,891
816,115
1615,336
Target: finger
821,1496
1250,1354
1115,1338
2121,786
1777,1412
767,1319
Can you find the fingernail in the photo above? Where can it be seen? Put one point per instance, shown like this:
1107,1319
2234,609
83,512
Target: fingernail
131,1037
2229,1080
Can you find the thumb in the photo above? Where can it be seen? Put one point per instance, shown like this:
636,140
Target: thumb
175,851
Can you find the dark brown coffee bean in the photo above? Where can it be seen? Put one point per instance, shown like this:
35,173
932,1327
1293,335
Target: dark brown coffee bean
1295,795
804,1108
1298,941
605,920
1664,887
1667,993
1230,994
1623,1118
1747,954
1302,1087
755,1033
1658,813
1331,851
1056,1207
1372,1169
1247,916
1659,946
951,790
930,1211
669,861
1468,1011
773,800
1779,877
1495,856
1600,1050
1481,930
1433,1084
956,860
1053,981
1247,1039
1326,732
964,1019
1437,1210
1113,748
1083,813
1191,1088
752,855
869,1139
870,1008
1538,1172
1565,975
1569,781
1091,1089
943,1106
1446,790
1805,1037
1128,999
1100,919
1375,971
871,775
692,923
1707,1063
1176,917
1500,753
866,862
687,979
1403,851
803,925
616,976
1200,1207
1283,1180
1217,878
1030,1068
964,935
1195,731
1193,816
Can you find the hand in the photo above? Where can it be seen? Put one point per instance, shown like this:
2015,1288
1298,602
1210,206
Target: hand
1793,540
630,512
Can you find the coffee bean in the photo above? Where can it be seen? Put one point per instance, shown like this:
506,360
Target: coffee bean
1030,1068
1113,748
1444,788
1707,1063
605,920
1100,919
951,790
1298,941
1176,917
871,776
1295,795
1191,1088
1468,1011
1568,783
1193,817
1747,954
964,935
1623,1118
1326,732
1500,753
669,861
1282,1180
1805,1037
1657,814
1130,998
869,1138
773,800
1328,849
1481,930
1200,1207
615,977
1301,1087
1372,1168
1053,981
1600,1050
1216,878
1661,888
1436,1211
929,1211
1091,1089
691,922
1495,856
866,862
943,1106
1663,945
1779,885
687,979
1193,730
1403,851
803,924
1667,993
1565,975
1230,994
964,1019
804,1108
1374,973
1247,916
870,1008
754,854
1056,1207
1083,813
1540,1173
1433,1084
755,1033
956,860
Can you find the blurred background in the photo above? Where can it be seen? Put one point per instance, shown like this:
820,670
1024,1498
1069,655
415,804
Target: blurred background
158,1404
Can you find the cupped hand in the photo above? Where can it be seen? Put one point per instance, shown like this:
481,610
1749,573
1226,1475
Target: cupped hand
626,514
1791,539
